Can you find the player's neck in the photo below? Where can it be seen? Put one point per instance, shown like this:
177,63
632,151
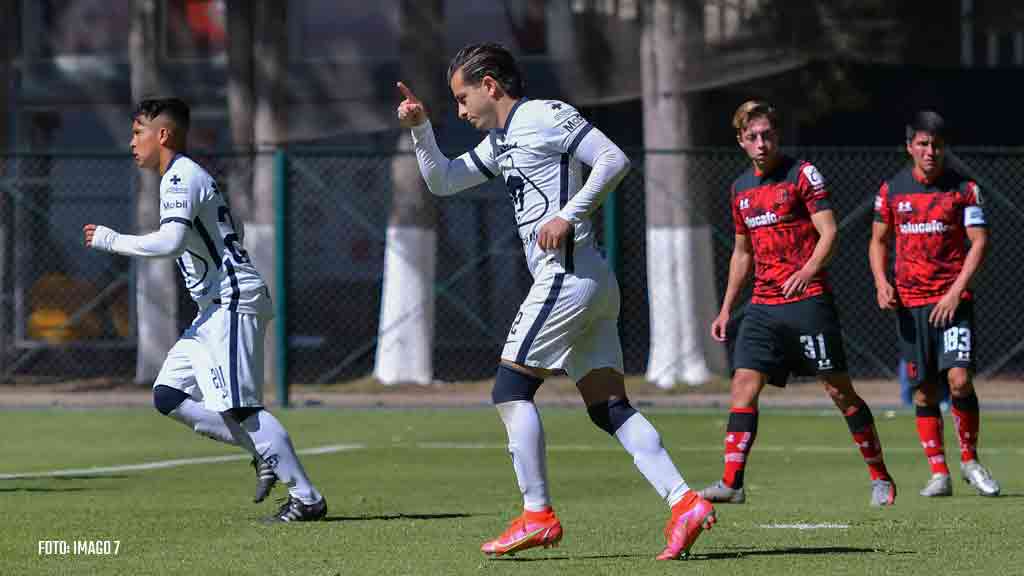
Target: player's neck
768,165
166,157
927,178
504,107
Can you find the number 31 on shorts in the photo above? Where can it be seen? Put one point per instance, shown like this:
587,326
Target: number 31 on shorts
812,352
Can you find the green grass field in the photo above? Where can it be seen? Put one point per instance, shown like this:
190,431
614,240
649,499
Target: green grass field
422,488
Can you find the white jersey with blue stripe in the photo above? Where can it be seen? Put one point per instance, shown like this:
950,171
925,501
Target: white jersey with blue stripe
215,266
535,153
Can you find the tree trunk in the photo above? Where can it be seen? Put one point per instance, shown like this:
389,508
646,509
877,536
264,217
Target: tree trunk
679,259
240,106
406,331
270,132
156,289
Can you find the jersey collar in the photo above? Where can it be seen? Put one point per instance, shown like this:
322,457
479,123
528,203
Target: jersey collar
508,120
173,160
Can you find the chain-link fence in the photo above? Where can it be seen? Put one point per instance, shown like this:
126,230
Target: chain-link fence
68,312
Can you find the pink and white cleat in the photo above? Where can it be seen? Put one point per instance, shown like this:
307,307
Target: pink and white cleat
529,530
690,516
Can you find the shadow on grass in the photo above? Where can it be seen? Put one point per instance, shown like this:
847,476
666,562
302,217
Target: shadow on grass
399,516
38,489
793,551
580,557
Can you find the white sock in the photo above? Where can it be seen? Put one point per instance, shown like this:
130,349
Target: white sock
643,443
265,436
526,445
206,422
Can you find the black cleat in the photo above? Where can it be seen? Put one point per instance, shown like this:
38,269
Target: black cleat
265,479
293,510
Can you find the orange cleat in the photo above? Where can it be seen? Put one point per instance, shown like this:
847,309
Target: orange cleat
690,516
529,530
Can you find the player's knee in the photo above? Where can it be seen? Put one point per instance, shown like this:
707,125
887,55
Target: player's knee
242,414
511,385
166,399
959,383
745,389
610,416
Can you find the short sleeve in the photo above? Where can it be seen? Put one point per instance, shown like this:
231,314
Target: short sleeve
812,189
737,218
179,196
883,215
974,214
562,127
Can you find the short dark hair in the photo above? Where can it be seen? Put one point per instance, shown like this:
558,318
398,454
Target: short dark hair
928,122
173,108
488,59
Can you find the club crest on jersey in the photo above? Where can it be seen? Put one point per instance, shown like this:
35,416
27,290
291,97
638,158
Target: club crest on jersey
781,195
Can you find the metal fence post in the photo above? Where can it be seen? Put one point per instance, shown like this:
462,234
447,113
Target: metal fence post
281,274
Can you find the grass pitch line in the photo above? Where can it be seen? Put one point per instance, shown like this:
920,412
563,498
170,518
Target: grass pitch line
101,470
803,526
843,449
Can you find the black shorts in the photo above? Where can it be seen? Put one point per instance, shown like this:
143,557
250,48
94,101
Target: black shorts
930,351
802,338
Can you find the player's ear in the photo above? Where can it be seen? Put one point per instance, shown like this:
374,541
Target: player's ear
491,86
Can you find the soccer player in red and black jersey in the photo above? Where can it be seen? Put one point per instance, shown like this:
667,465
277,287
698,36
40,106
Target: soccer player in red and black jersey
934,213
785,233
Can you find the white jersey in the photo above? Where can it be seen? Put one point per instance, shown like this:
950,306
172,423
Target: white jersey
214,265
535,152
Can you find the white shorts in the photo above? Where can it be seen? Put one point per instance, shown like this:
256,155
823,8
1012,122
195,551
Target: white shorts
218,360
569,321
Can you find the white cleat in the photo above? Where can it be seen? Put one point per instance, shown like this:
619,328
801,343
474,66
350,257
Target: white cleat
938,485
979,477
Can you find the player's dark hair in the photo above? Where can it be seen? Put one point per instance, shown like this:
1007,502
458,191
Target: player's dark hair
488,59
173,108
928,122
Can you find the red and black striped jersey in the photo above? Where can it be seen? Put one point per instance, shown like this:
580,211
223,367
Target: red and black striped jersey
775,209
930,221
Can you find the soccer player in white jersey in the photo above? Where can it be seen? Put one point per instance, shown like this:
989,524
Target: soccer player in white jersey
212,379
569,320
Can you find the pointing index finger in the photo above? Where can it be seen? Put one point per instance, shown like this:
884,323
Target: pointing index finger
406,92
